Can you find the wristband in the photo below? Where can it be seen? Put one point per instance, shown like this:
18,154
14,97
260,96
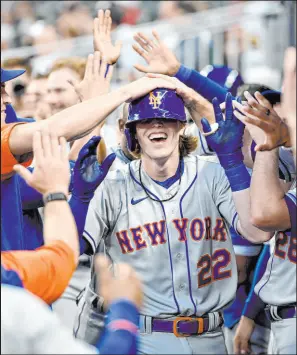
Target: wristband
239,177
56,196
231,160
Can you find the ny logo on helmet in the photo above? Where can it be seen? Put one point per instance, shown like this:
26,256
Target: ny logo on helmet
155,101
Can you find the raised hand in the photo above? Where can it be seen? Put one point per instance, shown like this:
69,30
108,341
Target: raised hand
94,83
267,129
158,56
51,173
102,39
88,173
226,139
124,284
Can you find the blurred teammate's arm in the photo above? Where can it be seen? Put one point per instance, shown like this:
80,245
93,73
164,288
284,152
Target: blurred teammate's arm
46,271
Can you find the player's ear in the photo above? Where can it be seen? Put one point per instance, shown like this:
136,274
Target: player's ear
182,128
121,125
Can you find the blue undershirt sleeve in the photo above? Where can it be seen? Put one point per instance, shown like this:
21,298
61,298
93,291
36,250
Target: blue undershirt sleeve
30,197
253,303
120,334
203,85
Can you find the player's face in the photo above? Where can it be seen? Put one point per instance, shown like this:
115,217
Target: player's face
159,138
60,94
35,92
5,100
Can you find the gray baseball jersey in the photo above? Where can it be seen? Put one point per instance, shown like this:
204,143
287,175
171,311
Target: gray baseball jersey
278,284
29,327
181,248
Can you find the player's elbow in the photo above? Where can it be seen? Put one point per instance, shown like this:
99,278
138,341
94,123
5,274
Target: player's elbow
264,219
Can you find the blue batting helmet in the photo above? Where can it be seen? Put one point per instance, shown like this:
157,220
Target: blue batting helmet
7,75
159,103
226,77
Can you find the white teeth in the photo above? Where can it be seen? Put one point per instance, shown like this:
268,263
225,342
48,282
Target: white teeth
158,135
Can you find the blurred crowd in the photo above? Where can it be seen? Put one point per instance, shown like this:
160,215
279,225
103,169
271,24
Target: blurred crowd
29,23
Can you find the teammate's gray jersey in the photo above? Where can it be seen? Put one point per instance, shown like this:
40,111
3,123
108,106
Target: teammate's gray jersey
180,248
278,284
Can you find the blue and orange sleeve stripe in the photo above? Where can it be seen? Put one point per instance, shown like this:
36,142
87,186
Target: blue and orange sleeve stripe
45,272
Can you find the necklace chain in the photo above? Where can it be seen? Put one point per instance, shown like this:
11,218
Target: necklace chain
147,193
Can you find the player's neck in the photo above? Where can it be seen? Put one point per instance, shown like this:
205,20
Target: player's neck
160,169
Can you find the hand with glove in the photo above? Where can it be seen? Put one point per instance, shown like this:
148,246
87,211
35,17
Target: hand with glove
87,172
225,139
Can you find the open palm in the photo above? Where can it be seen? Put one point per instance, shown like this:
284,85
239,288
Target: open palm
158,56
102,38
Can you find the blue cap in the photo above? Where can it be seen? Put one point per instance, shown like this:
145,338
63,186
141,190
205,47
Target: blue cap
7,75
159,103
273,96
226,77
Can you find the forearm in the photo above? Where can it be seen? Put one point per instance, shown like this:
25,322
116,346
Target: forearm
203,108
59,224
267,194
79,143
245,227
204,86
71,123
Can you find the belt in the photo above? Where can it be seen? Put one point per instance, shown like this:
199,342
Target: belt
277,313
183,326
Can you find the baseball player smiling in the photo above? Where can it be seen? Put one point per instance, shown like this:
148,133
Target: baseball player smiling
167,214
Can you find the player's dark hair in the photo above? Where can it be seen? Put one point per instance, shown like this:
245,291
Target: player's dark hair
251,88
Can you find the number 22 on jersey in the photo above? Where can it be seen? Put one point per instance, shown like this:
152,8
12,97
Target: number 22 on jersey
212,268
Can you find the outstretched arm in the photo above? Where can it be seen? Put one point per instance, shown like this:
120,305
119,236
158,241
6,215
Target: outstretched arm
78,120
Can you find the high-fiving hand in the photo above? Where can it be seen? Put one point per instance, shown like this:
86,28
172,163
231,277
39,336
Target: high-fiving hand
227,138
88,173
94,83
51,173
159,57
267,129
102,38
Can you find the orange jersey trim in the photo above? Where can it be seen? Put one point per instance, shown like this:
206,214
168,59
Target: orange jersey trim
8,160
45,272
